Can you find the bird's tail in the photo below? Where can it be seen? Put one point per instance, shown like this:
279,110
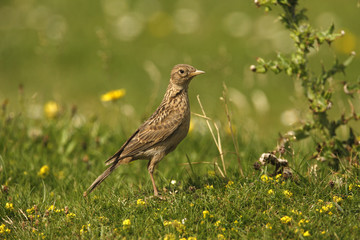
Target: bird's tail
101,178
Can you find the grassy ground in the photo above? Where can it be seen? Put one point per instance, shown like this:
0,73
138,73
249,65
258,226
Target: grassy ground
46,164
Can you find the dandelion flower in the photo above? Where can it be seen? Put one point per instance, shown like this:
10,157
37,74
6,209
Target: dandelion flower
337,199
4,229
140,202
287,193
170,236
264,178
220,237
113,95
51,109
285,219
44,171
217,223
268,226
9,206
229,184
205,213
126,223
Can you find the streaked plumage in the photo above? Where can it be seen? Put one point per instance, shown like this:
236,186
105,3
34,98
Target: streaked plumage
162,132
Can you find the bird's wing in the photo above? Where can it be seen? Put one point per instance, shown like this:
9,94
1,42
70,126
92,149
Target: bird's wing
157,128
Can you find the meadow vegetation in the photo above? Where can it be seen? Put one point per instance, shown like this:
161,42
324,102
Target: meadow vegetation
50,151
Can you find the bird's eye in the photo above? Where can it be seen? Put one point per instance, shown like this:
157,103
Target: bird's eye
181,71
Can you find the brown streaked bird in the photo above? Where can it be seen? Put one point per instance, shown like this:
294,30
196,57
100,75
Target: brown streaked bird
162,132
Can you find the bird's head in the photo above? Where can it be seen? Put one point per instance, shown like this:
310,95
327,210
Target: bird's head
182,74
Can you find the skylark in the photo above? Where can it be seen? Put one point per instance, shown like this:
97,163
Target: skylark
162,132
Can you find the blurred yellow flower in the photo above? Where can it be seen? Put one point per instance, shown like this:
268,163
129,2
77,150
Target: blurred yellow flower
140,202
306,234
287,193
220,237
205,213
71,215
4,229
209,187
285,219
217,223
191,238
170,236
264,178
113,95
51,109
44,171
9,206
270,192
229,184
126,223
268,226
337,199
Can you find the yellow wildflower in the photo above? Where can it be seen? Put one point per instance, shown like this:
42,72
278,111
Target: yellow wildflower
170,236
209,187
337,199
191,238
113,95
51,208
126,223
191,204
71,215
205,213
211,173
220,237
268,226
9,206
320,201
285,219
4,229
229,184
270,192
306,234
217,223
296,212
351,186
140,202
44,171
278,176
51,109
330,213
323,232
264,178
287,193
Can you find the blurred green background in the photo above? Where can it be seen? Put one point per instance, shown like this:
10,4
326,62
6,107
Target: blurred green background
75,51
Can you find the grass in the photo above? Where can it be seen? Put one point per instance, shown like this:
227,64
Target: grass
47,163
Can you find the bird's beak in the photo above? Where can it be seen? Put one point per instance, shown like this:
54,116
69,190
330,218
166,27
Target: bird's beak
197,72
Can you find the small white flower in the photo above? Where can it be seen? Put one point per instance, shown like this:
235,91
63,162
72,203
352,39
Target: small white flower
183,221
173,182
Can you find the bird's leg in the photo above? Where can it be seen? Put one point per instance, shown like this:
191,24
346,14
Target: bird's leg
151,171
156,193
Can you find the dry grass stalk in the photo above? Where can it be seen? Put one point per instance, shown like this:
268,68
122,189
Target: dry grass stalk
217,139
